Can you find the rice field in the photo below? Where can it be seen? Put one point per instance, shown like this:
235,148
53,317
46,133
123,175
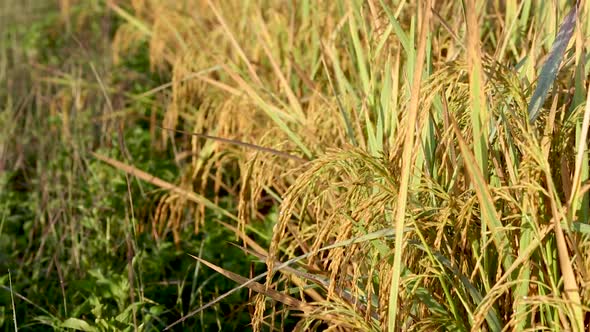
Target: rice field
346,165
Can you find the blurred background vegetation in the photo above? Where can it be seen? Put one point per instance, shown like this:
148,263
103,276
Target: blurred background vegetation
72,228
294,165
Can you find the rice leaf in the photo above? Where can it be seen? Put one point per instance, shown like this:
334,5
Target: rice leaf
551,66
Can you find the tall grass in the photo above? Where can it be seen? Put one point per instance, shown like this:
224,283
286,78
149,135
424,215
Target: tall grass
423,164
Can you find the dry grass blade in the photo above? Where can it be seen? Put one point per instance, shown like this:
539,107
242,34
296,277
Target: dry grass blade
12,301
408,158
245,282
581,151
572,290
192,196
257,287
570,284
311,292
242,144
479,113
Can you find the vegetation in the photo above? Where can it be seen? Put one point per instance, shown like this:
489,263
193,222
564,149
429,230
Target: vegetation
294,165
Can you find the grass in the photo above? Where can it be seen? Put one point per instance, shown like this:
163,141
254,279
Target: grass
355,165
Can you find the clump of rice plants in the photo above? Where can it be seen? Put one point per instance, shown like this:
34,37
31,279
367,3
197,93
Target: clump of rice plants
433,195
